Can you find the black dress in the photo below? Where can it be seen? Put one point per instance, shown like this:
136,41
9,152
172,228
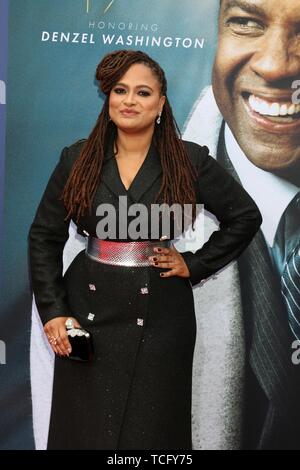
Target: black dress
136,394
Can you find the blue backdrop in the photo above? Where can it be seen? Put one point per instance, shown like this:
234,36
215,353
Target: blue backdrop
52,100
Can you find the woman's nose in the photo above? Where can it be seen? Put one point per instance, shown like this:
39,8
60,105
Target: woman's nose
129,99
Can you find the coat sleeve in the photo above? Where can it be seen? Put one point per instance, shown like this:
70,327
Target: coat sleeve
239,218
47,237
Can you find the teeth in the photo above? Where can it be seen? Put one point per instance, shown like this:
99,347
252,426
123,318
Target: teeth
292,110
283,110
266,108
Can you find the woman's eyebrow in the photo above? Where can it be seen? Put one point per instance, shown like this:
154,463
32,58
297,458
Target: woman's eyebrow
138,86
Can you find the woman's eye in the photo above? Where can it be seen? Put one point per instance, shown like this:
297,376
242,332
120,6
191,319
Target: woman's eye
119,91
244,25
144,93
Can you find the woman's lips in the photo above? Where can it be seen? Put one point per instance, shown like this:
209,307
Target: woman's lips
274,116
128,113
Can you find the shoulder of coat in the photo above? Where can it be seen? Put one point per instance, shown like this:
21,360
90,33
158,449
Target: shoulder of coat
71,153
195,151
77,144
75,148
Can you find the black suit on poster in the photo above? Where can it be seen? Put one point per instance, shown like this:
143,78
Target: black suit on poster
272,411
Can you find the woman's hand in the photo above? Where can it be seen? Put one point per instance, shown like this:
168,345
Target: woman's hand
170,258
56,333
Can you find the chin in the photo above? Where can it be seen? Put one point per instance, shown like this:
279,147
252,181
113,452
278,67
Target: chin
279,162
127,128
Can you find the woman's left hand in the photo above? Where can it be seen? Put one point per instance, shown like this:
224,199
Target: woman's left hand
170,258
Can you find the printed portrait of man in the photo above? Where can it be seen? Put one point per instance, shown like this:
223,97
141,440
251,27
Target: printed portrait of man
252,127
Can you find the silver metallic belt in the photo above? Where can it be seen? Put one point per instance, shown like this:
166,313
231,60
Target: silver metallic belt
123,253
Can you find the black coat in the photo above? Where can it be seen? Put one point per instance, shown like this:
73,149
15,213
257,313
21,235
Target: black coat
137,392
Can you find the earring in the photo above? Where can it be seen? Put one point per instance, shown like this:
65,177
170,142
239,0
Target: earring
158,119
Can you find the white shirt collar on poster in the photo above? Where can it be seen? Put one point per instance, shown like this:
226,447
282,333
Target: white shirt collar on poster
271,193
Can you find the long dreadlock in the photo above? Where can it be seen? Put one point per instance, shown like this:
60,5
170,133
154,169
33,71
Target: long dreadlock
178,172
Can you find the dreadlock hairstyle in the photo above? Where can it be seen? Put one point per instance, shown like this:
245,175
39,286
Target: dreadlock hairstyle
178,172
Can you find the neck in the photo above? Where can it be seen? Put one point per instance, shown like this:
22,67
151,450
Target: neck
135,145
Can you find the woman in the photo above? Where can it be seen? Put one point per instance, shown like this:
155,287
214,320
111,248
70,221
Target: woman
133,293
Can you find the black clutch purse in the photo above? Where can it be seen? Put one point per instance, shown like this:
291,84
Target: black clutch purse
82,344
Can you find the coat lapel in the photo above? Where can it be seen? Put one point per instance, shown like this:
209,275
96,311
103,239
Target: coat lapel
144,179
150,170
110,174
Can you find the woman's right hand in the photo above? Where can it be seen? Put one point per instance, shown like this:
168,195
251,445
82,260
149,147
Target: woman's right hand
57,336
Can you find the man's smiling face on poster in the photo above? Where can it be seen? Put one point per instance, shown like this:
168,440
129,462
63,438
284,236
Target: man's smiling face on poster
257,62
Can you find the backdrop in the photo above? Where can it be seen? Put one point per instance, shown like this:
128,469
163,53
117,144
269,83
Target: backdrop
52,100
49,50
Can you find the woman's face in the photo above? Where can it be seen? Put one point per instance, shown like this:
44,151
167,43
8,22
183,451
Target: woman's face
135,101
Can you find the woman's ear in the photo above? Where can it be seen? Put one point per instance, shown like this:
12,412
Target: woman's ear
161,103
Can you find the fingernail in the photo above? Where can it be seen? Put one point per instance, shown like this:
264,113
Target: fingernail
69,350
162,274
157,249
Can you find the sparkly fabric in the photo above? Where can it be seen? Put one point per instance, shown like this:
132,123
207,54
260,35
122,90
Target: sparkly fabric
137,392
122,253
